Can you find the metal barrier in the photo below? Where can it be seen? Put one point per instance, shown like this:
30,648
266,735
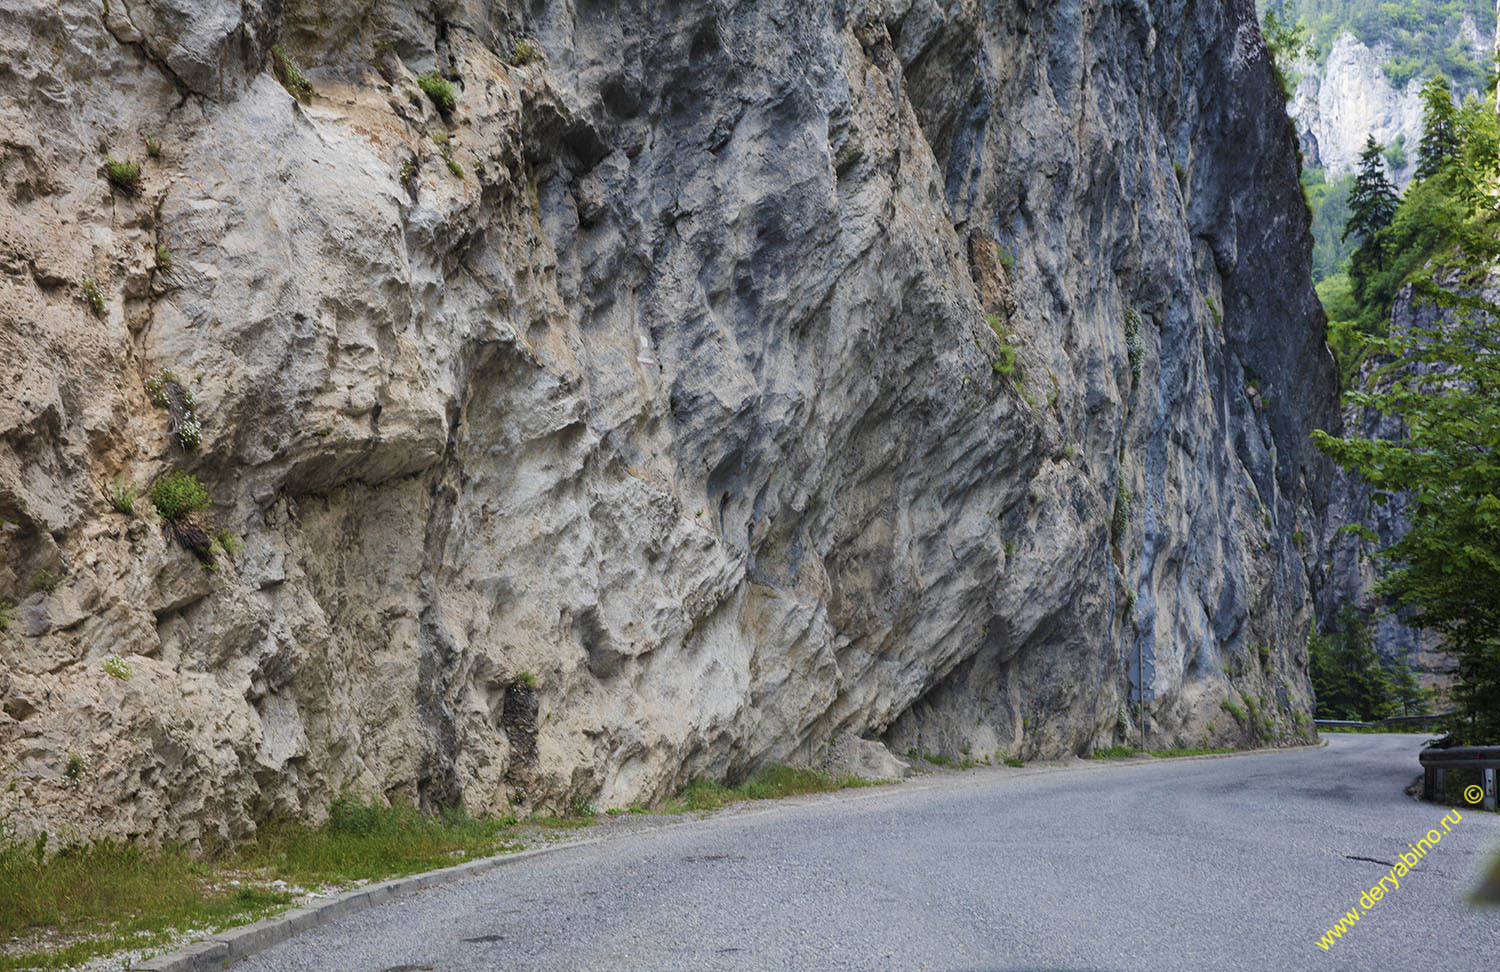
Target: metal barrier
1414,720
1437,762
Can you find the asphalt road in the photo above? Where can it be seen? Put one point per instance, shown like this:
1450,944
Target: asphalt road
1207,864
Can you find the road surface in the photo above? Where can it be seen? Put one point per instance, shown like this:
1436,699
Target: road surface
1238,863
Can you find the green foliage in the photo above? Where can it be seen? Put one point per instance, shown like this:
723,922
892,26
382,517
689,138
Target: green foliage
116,667
453,165
525,679
1008,364
1135,348
1372,206
1424,35
1441,139
1443,383
525,52
167,391
153,147
440,90
122,496
1229,706
289,74
771,782
1395,154
93,296
1013,761
1349,679
177,494
75,769
123,174
7,613
1120,520
163,259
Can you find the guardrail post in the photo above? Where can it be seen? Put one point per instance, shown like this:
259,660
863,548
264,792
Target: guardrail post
1489,788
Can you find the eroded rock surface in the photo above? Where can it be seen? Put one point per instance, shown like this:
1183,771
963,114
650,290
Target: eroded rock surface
749,374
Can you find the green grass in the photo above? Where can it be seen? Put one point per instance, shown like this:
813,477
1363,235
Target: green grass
108,896
111,896
1192,751
123,174
525,52
1115,752
770,783
367,842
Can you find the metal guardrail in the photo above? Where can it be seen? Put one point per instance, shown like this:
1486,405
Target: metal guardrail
1412,720
1437,762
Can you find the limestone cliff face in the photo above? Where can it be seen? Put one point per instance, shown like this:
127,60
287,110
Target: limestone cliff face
753,375
1349,97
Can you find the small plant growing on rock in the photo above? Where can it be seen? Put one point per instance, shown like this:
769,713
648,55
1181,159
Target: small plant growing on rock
228,542
408,172
168,392
163,259
1124,500
453,165
7,614
116,667
1015,761
93,295
524,680
122,496
153,147
290,76
75,769
525,52
1135,348
123,174
440,90
45,581
178,494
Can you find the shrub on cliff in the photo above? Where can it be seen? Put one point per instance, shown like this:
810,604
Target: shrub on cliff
177,494
441,91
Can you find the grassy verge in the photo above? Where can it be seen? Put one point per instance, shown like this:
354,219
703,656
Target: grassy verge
771,783
68,906
1125,752
88,900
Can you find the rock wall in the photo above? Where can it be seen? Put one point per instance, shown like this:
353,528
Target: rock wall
749,376
1347,98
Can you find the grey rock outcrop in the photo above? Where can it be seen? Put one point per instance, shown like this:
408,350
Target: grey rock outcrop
1349,97
747,375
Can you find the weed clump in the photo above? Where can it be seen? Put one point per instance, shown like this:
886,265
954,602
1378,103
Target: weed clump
7,614
122,496
1014,761
524,680
123,174
440,90
525,52
178,494
93,295
290,76
168,392
163,260
116,667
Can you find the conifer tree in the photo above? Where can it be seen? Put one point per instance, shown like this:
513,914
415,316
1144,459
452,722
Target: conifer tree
1441,139
1372,205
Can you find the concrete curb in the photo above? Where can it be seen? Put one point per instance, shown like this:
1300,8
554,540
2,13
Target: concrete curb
233,944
